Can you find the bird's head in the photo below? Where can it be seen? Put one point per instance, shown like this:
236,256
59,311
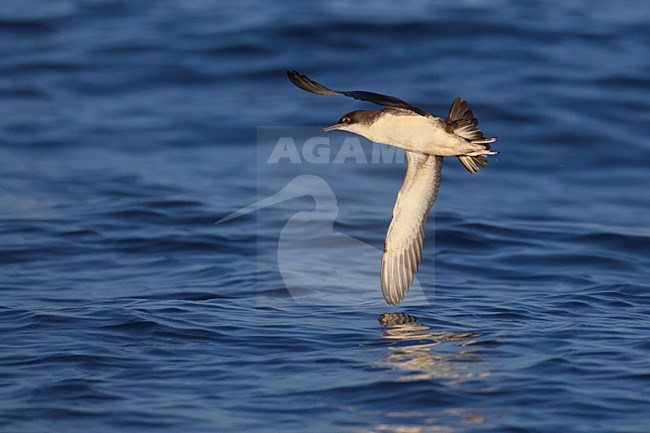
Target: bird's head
355,121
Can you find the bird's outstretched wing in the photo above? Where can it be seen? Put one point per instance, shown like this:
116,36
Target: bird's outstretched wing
308,85
405,237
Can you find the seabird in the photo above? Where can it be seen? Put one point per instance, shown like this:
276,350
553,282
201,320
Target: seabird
426,139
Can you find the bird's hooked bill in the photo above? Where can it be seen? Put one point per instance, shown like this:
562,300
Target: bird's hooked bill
331,128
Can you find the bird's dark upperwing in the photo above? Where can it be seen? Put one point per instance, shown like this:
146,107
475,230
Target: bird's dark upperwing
303,82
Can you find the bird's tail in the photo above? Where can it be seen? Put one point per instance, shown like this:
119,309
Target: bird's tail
469,162
463,123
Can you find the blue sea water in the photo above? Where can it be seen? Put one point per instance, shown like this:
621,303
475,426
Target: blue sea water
127,129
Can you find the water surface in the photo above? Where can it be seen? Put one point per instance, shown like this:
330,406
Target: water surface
128,129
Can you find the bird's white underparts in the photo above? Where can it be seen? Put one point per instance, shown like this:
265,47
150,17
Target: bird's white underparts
426,139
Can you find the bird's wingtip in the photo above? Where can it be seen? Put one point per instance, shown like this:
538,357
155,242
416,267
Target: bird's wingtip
296,78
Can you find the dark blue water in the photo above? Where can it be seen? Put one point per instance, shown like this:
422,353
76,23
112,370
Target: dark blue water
127,129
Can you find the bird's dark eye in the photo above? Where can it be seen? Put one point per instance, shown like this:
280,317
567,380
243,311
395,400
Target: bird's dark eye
345,119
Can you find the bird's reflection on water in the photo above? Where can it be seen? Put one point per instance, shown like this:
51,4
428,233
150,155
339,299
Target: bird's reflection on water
420,353
392,319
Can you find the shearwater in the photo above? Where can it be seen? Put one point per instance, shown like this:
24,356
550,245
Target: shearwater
426,139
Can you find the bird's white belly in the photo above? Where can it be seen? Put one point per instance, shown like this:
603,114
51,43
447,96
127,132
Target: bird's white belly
415,133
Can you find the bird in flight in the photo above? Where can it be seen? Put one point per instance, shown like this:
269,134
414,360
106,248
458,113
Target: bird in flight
426,139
